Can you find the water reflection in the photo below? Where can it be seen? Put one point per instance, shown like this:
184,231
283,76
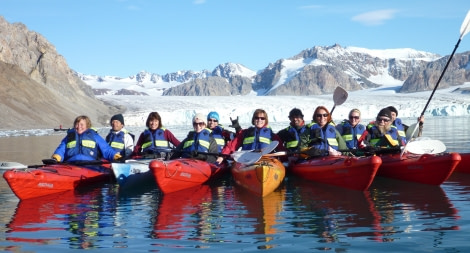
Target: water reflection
329,211
408,207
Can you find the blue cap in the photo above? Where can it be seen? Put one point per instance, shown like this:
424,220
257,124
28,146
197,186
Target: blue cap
213,115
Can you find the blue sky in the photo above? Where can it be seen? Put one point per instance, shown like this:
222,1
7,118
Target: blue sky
121,38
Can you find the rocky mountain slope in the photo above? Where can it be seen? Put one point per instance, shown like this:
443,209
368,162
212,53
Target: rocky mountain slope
38,89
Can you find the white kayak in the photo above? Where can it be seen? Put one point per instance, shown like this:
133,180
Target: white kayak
133,173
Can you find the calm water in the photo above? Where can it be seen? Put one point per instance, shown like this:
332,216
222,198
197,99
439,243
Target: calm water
301,216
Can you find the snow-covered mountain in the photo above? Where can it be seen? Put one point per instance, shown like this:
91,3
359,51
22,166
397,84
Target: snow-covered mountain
313,71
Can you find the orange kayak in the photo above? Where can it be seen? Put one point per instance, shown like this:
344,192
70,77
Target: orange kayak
262,177
54,178
183,173
355,173
431,169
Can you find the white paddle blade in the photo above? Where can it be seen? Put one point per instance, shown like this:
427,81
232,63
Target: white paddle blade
465,28
426,146
339,96
411,132
250,157
12,165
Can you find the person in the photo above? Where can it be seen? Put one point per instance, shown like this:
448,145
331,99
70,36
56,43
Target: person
402,128
199,143
291,135
351,129
381,134
221,135
255,137
119,138
83,143
155,140
323,134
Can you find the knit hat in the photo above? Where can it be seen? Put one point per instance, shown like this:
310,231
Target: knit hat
200,117
393,109
295,113
385,112
117,117
213,115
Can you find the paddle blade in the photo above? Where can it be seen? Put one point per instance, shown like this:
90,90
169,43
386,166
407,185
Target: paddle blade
465,28
12,165
411,132
339,96
426,146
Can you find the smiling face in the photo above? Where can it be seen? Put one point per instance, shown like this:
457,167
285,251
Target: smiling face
198,125
81,126
354,118
116,125
260,120
321,117
211,123
154,124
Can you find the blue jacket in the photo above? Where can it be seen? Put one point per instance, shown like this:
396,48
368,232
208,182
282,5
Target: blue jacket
84,147
349,133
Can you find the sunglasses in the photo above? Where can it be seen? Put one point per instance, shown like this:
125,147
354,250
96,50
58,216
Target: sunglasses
260,118
383,119
319,115
353,117
212,120
198,124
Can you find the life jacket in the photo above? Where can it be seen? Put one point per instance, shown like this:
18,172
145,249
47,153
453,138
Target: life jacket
154,141
83,144
255,138
381,140
322,137
219,138
116,141
349,133
291,137
199,142
400,127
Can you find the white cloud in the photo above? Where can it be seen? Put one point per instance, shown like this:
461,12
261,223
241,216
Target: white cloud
374,18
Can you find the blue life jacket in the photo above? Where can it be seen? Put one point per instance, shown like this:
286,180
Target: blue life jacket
154,142
199,142
83,144
401,129
322,137
255,138
219,138
349,133
116,141
291,137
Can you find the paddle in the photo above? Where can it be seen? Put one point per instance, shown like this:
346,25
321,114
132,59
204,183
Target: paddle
464,29
339,97
253,156
16,165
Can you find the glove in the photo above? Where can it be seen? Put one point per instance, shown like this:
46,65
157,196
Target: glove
57,157
117,156
235,124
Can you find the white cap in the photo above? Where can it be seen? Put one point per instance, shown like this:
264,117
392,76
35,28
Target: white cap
200,117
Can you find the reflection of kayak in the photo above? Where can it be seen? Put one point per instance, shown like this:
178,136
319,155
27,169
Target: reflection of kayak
54,178
431,169
262,177
183,173
350,172
464,165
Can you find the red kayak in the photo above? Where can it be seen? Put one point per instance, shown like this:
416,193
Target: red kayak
355,173
431,169
183,173
464,164
54,178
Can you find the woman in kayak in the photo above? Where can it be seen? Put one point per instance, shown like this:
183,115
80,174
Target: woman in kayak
155,140
351,129
323,134
255,137
199,144
83,143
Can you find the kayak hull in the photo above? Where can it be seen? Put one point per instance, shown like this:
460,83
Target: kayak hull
260,178
355,173
464,164
183,173
55,178
431,169
133,174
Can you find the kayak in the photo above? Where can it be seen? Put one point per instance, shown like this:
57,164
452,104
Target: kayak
431,169
183,173
464,164
49,179
133,173
355,173
262,177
